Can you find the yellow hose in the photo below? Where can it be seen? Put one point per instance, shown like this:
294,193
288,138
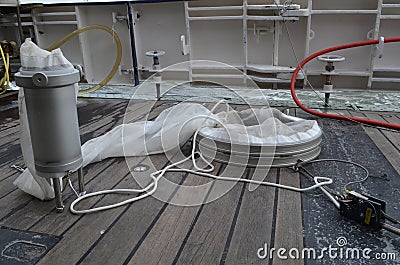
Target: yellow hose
5,81
117,60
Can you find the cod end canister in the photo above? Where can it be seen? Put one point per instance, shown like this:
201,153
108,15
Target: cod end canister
50,100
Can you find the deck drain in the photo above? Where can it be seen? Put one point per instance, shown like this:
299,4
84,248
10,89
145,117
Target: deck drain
24,247
141,168
23,250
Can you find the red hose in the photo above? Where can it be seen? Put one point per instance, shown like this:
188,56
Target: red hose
334,116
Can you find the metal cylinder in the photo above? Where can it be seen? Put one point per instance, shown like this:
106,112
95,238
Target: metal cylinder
53,120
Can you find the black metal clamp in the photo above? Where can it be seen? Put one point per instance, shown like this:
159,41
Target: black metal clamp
367,211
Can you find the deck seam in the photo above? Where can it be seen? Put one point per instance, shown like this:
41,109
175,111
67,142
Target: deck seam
94,245
77,220
233,224
273,229
16,209
390,141
302,217
8,193
152,224
67,198
193,224
81,259
14,161
2,128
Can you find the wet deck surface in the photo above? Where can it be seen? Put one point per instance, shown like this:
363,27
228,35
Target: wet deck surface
228,230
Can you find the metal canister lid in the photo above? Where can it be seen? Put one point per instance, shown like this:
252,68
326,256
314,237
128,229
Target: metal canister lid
42,78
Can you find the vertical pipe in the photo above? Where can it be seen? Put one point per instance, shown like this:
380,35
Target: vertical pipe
188,42
277,29
158,90
308,30
133,46
373,48
327,95
20,32
245,51
35,27
84,44
307,40
81,181
58,194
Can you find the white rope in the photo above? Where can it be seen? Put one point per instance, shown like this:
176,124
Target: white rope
205,172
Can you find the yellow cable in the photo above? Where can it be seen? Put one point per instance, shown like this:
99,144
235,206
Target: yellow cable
5,81
117,60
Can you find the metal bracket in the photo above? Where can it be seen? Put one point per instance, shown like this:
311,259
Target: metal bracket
118,18
81,71
379,48
185,46
363,209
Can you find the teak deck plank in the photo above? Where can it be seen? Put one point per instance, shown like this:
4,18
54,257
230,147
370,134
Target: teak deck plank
40,216
162,243
289,228
107,114
8,118
207,239
393,137
254,223
13,202
98,177
381,141
6,169
9,135
143,219
39,207
105,221
11,199
10,150
83,234
9,121
175,224
6,185
10,156
228,230
10,174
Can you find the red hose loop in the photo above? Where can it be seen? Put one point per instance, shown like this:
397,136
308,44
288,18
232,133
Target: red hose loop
335,116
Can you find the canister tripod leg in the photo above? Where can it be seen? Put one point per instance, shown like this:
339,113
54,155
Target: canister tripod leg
58,194
81,182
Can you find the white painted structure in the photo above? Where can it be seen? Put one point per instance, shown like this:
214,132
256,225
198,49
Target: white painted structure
251,35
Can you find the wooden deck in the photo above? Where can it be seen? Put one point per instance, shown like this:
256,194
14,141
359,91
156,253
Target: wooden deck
229,230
